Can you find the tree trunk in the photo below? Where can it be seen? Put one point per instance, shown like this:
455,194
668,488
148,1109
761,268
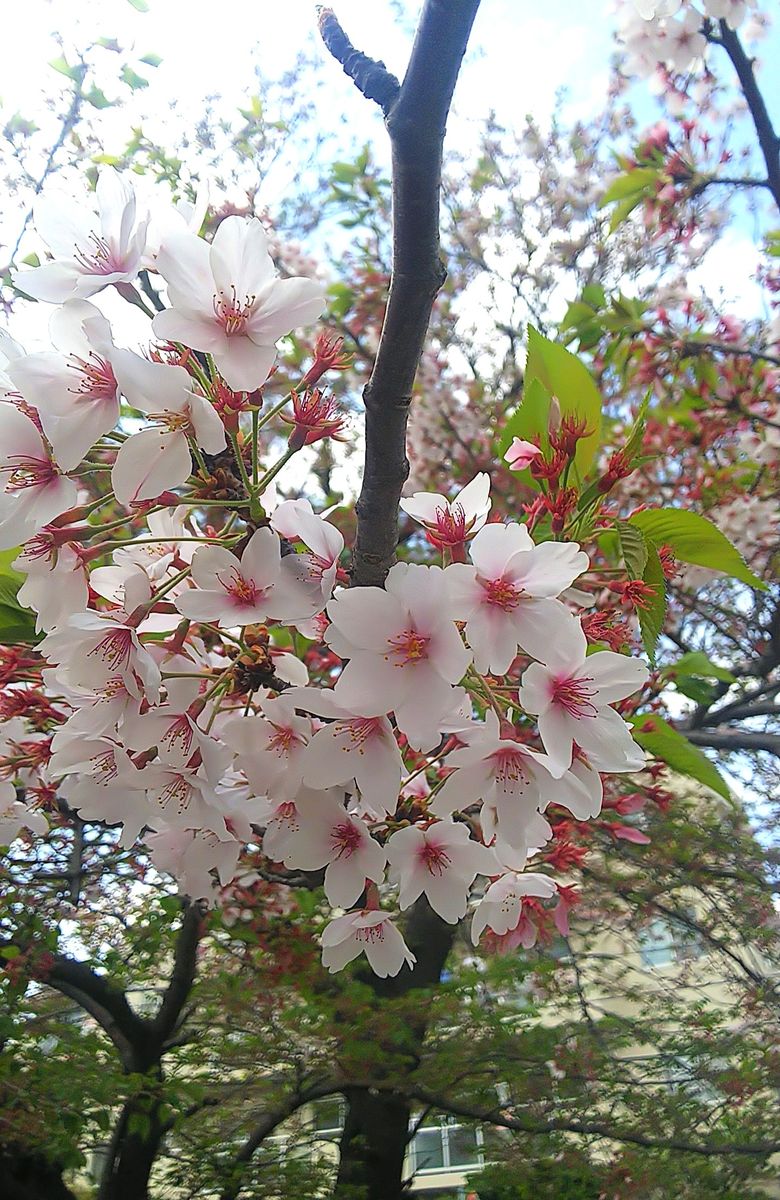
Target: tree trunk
372,1148
134,1148
31,1177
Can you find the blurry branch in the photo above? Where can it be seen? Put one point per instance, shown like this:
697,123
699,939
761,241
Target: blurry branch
415,117
735,739
369,75
768,139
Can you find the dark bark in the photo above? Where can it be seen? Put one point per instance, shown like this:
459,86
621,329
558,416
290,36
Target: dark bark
31,1177
768,139
416,117
142,1043
376,1129
734,740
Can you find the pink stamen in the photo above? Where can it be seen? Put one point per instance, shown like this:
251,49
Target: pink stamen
434,858
99,258
501,594
409,647
97,382
231,314
574,696
346,839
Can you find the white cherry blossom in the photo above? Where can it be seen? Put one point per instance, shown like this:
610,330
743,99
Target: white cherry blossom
370,932
404,649
158,459
441,861
16,816
32,488
328,836
501,907
571,695
56,583
269,749
227,299
91,249
75,389
258,586
507,597
451,522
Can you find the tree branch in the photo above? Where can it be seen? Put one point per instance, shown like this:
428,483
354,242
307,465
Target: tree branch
734,739
369,75
767,137
416,121
185,960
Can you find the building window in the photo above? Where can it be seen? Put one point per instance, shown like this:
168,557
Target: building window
443,1144
666,941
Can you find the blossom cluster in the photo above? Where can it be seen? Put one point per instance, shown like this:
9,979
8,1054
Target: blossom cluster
448,709
669,34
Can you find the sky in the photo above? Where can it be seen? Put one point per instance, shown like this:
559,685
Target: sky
522,53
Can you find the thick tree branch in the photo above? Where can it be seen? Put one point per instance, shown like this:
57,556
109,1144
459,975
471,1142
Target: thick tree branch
105,1003
768,139
369,75
185,961
416,121
735,739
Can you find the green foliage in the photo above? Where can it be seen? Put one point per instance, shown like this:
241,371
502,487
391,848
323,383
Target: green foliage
694,539
662,741
571,383
652,613
17,624
546,1179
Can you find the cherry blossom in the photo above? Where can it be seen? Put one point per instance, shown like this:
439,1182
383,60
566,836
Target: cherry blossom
92,249
570,696
441,861
34,489
258,585
269,749
56,583
158,459
404,650
74,391
507,597
328,836
451,522
370,932
227,299
15,816
501,907
351,747
297,521
521,454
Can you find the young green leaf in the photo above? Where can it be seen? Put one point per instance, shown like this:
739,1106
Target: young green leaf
694,539
662,741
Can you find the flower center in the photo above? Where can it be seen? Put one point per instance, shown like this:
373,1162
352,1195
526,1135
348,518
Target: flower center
97,381
233,315
176,791
283,741
574,696
451,527
361,729
409,647
345,838
98,257
105,769
244,592
434,858
180,733
24,472
371,933
114,649
500,593
510,768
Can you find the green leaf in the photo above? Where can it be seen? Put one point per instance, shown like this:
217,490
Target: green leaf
569,380
62,65
98,98
132,78
652,616
139,5
633,548
623,210
594,294
530,418
17,624
151,60
696,662
694,539
662,741
10,952
633,182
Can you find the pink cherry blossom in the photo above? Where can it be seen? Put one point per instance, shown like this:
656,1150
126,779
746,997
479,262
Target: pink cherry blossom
442,862
16,816
571,695
506,598
404,649
370,932
56,583
259,585
32,488
74,391
501,907
91,249
451,522
227,299
296,521
328,836
521,454
269,749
